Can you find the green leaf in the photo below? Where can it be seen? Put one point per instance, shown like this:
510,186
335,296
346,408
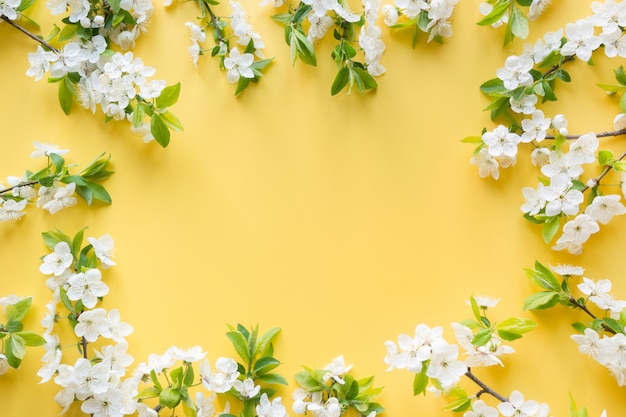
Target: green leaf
77,241
341,80
459,405
473,139
155,380
517,325
169,397
482,337
543,277
66,301
266,340
622,103
619,166
99,192
159,130
177,376
605,157
150,392
563,75
580,327
14,326
308,382
282,18
366,78
420,381
189,377
611,89
620,75
240,344
495,86
68,32
265,364
13,360
541,300
168,97
242,84
115,5
475,308
499,10
273,379
66,94
519,23
19,310
303,47
614,325
550,229
172,121
18,346
508,336
31,338
53,237
58,162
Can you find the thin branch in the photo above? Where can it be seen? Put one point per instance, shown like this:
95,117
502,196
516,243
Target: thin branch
589,313
484,388
21,184
557,67
603,173
598,135
30,35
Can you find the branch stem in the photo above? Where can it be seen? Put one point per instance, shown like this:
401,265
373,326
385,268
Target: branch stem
29,34
484,388
21,184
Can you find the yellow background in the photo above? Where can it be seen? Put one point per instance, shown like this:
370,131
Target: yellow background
343,220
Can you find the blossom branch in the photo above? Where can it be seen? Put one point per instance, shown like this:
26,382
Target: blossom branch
29,34
589,313
216,25
557,67
484,388
22,184
604,172
598,135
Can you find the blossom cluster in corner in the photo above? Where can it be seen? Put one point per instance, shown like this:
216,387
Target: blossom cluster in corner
565,160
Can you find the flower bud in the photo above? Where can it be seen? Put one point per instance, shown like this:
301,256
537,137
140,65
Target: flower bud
619,123
98,21
391,14
4,364
540,157
559,121
85,22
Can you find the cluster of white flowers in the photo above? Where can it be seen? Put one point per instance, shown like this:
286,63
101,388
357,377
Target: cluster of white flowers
237,64
442,358
89,17
608,350
559,194
370,38
426,345
439,13
321,8
52,199
109,81
97,384
305,401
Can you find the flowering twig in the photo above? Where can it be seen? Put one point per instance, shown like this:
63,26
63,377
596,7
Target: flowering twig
484,388
29,34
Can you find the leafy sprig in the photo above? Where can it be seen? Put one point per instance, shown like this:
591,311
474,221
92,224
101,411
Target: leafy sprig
13,337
